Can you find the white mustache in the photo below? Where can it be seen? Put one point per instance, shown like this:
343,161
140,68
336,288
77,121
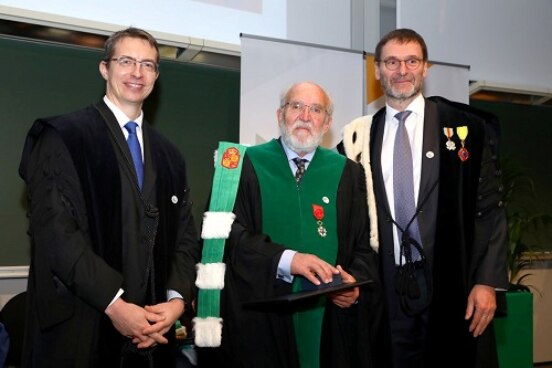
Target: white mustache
302,125
402,79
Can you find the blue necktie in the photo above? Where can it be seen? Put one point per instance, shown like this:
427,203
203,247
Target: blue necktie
135,151
403,189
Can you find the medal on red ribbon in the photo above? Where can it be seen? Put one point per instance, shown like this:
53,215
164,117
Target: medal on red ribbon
318,213
449,132
462,132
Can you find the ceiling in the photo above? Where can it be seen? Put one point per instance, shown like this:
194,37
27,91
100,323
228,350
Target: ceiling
485,91
192,54
479,90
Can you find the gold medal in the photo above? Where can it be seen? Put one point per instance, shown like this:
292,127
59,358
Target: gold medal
463,153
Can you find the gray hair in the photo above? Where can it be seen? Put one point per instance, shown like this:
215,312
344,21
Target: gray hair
285,94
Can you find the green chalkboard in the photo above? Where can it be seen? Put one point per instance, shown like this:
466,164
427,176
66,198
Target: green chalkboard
195,106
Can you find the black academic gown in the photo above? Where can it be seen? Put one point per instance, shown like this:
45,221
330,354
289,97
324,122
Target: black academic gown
93,232
351,337
462,227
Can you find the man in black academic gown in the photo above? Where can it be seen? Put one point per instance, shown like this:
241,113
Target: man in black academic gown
297,222
441,266
113,239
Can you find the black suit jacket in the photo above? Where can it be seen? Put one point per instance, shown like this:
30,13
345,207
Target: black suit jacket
93,232
462,221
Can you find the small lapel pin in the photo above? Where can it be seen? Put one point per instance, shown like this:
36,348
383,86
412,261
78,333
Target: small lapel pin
174,199
430,154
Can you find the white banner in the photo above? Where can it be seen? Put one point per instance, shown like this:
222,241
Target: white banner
270,66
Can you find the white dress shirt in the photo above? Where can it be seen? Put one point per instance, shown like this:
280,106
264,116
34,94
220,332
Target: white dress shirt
415,128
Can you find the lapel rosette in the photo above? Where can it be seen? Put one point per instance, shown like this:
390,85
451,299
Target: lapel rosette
318,213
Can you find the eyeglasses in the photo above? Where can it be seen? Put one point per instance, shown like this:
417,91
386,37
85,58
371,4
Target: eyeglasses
297,107
127,62
394,64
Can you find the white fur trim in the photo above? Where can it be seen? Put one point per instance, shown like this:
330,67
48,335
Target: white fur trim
208,331
361,127
217,225
210,275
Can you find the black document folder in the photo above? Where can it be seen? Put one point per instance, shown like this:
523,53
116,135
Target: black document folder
302,295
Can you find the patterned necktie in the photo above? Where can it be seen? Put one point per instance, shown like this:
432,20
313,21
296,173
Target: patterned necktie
300,163
403,189
135,151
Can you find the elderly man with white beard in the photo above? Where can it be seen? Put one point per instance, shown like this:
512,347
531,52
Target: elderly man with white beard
300,217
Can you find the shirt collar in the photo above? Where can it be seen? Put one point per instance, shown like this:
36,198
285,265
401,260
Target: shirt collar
121,117
417,107
292,154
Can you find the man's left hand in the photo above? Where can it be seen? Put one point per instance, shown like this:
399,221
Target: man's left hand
171,311
481,308
348,297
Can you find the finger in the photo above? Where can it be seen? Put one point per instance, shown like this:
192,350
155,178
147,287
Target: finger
486,321
146,344
155,328
324,274
160,339
153,308
481,326
311,276
327,269
154,317
345,276
141,339
345,294
469,309
348,297
343,303
481,319
476,320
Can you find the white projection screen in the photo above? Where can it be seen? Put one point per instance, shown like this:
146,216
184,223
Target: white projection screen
214,23
269,66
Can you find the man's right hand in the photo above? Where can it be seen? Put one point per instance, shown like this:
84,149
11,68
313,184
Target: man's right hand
131,320
310,266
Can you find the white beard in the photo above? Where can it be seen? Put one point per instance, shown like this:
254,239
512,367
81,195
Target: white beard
299,145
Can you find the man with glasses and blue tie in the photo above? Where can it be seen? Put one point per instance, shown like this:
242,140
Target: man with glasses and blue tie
114,246
436,188
300,219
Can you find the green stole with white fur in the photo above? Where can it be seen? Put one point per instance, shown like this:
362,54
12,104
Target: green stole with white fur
287,216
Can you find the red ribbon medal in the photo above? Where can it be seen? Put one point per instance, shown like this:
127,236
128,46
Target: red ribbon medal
463,153
318,213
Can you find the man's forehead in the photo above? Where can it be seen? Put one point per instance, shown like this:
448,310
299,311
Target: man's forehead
134,44
307,93
396,48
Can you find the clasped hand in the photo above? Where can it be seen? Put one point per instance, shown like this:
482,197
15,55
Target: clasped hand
146,326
